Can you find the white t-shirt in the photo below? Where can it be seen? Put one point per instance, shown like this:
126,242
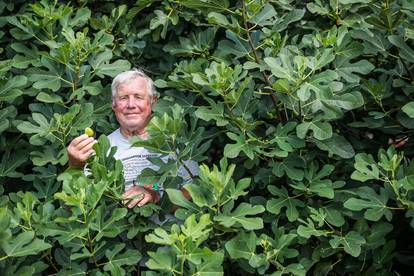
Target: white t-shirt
135,160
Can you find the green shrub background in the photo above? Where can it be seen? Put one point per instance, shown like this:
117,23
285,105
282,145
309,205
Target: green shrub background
288,106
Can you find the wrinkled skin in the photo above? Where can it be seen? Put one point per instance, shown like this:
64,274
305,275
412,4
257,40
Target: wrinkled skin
132,107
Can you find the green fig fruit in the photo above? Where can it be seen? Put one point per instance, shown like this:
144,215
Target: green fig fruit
89,131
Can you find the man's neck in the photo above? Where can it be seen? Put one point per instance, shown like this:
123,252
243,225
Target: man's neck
130,133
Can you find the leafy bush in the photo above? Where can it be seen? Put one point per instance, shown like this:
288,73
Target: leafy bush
289,107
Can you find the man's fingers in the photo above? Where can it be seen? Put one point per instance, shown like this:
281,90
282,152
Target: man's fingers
86,155
137,196
136,200
86,144
133,191
88,148
79,139
144,200
132,197
128,194
82,145
80,149
132,204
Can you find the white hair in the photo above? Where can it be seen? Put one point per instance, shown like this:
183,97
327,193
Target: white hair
130,75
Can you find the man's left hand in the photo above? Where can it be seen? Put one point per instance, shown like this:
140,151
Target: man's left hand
137,195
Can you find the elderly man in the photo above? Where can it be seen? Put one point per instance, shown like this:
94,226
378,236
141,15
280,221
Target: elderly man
133,94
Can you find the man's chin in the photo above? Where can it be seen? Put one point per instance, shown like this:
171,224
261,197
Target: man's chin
133,126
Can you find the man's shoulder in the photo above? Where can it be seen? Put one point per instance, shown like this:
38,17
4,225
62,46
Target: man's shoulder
115,137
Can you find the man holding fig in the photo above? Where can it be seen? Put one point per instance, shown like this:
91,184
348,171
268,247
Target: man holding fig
133,94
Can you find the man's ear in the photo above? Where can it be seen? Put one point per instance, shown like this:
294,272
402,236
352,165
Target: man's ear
154,99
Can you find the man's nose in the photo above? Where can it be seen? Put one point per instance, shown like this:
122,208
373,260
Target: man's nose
131,102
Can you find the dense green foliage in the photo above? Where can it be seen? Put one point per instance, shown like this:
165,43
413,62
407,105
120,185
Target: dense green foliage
287,105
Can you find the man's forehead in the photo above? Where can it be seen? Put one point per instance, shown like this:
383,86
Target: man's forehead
133,85
139,79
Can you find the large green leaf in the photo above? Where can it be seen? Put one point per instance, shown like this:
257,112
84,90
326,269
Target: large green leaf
263,18
366,168
280,69
234,46
321,130
354,1
42,126
309,230
214,112
213,265
200,195
409,109
9,164
24,244
138,6
9,90
285,138
25,56
317,83
197,44
46,79
205,5
283,200
336,145
348,70
287,18
4,223
290,166
116,260
197,231
375,205
240,217
243,246
405,51
107,227
6,114
79,19
160,236
351,243
48,98
315,182
164,260
112,69
178,199
233,150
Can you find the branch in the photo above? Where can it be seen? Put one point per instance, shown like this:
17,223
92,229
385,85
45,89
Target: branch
256,57
407,69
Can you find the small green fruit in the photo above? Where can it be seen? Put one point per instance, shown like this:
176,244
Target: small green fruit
89,131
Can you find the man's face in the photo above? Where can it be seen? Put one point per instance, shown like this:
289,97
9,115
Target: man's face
132,105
